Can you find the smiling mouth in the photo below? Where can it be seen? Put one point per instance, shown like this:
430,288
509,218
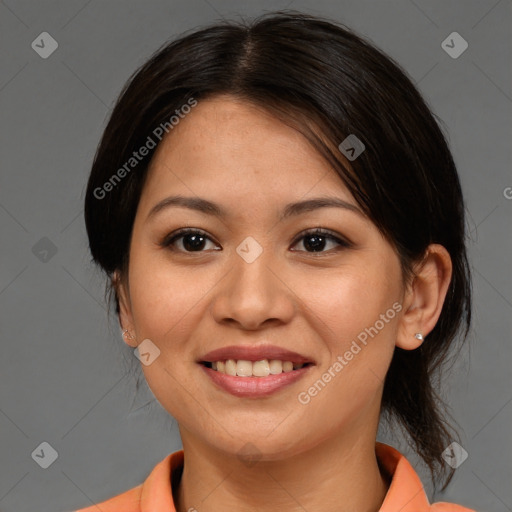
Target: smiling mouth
261,368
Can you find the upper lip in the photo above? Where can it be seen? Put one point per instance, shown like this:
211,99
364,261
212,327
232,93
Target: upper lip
254,353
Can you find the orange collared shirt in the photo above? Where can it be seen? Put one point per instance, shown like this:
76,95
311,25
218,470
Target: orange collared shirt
405,493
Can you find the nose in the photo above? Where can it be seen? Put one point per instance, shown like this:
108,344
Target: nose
253,294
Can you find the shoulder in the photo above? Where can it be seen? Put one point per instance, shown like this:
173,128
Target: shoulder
442,506
128,501
406,492
154,494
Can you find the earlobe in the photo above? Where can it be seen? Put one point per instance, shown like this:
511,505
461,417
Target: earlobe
129,339
125,313
425,297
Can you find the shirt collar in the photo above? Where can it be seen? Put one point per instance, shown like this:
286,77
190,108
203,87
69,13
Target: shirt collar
405,493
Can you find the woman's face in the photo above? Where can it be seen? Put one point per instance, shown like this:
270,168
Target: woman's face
257,278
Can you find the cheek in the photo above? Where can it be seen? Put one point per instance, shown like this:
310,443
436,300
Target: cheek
348,300
355,315
357,323
165,298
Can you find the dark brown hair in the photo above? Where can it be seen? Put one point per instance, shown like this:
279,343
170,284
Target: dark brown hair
326,81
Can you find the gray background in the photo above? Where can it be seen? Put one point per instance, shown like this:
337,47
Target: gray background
63,370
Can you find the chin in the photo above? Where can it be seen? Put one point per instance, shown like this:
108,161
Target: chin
251,446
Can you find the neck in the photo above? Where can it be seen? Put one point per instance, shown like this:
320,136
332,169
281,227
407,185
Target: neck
340,474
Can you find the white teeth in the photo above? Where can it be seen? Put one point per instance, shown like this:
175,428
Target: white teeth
230,367
243,368
262,368
276,366
287,366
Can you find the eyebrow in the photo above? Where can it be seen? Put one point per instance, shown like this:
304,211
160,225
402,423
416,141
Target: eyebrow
292,209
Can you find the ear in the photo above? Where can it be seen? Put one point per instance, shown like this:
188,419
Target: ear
125,309
424,297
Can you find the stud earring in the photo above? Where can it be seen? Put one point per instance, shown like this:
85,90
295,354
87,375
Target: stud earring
126,333
419,336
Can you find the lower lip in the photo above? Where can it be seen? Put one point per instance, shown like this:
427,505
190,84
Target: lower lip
254,387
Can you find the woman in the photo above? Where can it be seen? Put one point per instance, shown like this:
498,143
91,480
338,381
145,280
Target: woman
282,227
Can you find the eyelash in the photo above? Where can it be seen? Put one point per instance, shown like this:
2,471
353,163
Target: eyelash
169,240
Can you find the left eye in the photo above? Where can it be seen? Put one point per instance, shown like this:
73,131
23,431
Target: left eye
318,238
193,240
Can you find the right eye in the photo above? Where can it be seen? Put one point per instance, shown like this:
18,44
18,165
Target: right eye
192,240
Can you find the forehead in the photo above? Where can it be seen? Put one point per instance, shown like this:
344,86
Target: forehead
232,146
